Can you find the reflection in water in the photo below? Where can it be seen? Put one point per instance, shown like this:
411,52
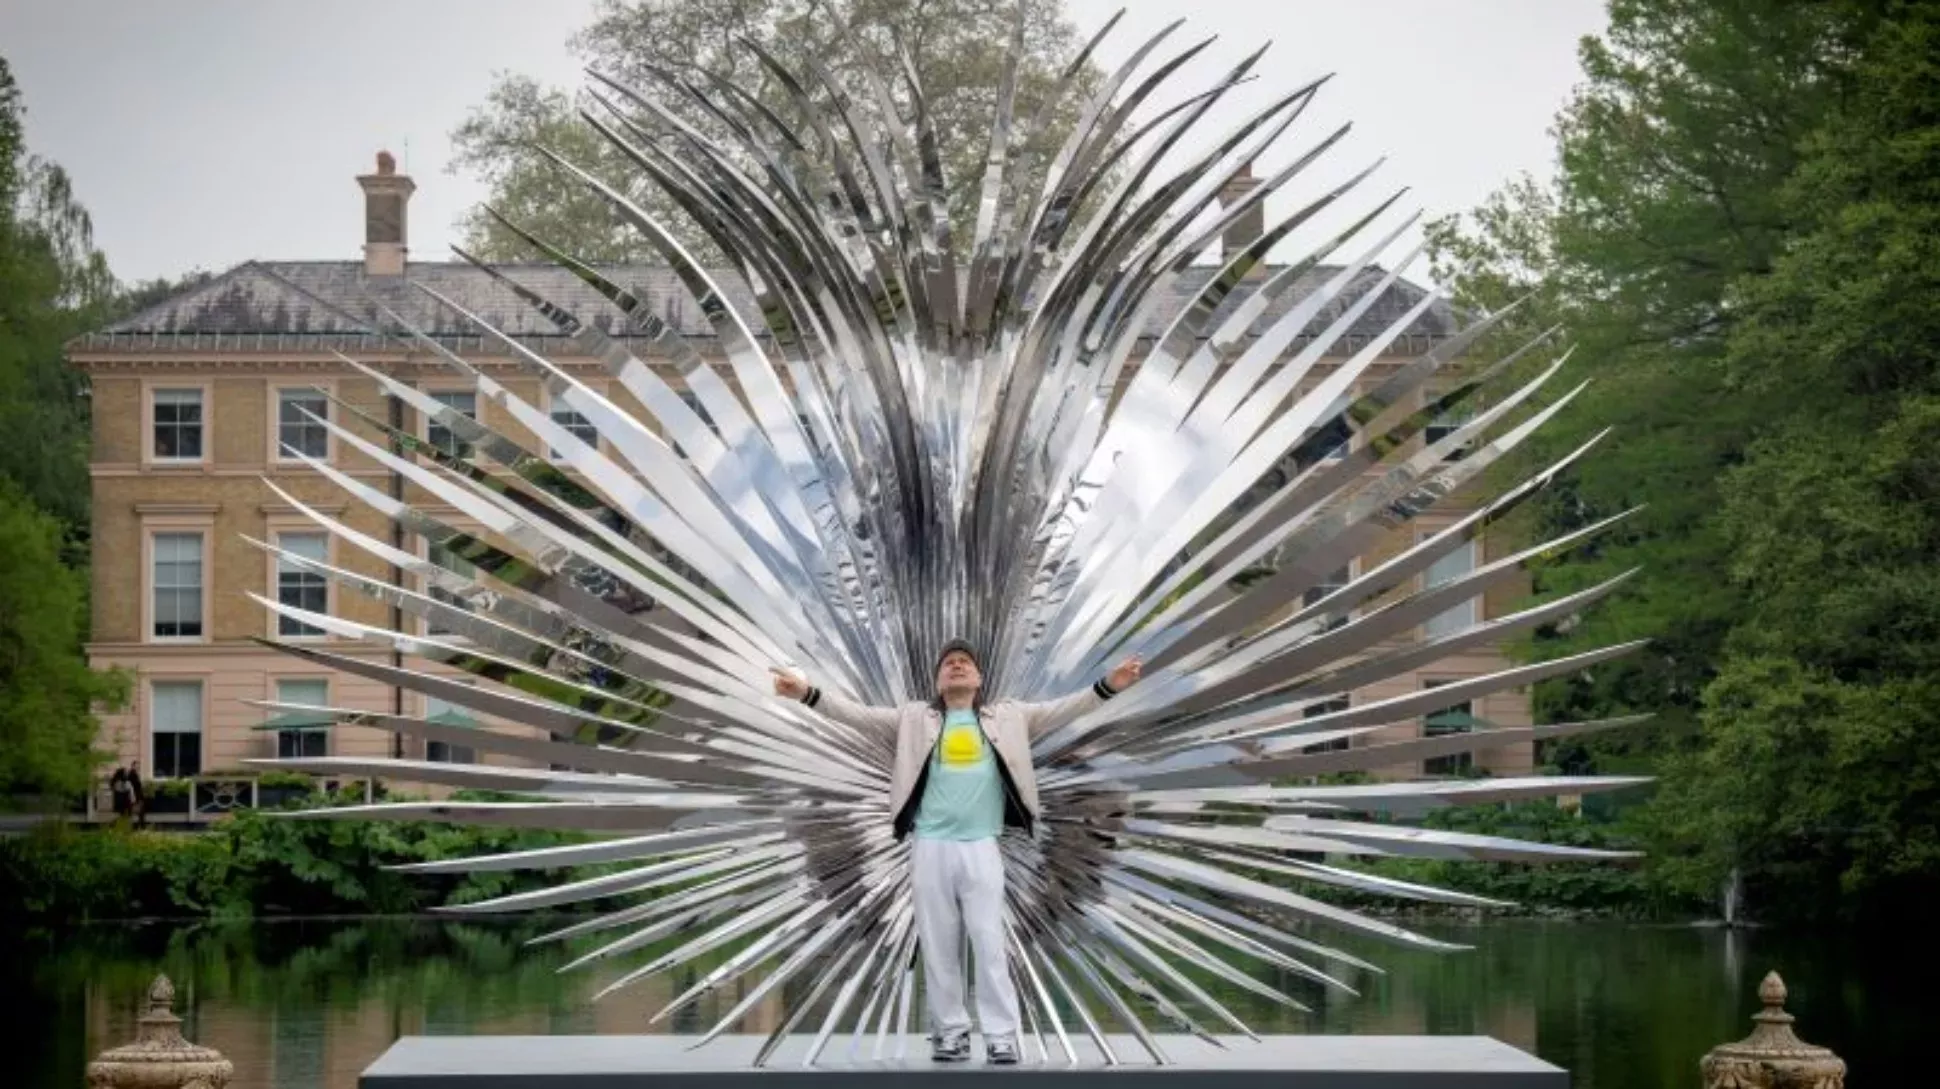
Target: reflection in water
1733,947
307,1004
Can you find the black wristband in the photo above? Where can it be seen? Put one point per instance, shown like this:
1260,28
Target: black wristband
1105,691
813,696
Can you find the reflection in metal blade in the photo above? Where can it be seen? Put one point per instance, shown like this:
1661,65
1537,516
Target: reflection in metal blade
1064,440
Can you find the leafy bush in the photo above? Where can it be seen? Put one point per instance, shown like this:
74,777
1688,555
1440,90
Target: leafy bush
69,874
252,864
1612,888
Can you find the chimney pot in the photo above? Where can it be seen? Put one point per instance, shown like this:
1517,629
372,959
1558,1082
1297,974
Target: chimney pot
1247,229
386,234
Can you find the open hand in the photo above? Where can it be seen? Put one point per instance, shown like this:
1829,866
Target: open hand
1125,675
789,684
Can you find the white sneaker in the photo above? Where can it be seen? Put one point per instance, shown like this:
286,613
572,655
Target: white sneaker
950,1047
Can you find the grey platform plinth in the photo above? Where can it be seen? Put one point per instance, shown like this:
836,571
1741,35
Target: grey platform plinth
665,1062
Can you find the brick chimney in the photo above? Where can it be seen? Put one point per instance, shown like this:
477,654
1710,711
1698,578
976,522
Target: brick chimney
386,193
1247,229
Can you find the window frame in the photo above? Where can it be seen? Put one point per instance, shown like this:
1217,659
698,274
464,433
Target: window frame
1308,598
159,525
1340,451
1328,707
553,405
1460,763
278,529
149,388
1446,424
274,682
1473,605
151,735
425,712
436,391
274,417
1348,444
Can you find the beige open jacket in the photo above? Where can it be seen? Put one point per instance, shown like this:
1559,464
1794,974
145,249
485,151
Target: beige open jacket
1009,725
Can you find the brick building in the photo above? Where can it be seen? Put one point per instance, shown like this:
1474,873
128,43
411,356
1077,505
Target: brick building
197,398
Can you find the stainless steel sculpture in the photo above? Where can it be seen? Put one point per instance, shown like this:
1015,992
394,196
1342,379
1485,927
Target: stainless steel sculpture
1039,441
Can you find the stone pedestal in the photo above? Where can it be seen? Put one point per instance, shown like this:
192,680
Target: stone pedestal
1772,1057
160,1058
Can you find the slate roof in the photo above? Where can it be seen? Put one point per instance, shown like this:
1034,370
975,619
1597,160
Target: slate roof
323,304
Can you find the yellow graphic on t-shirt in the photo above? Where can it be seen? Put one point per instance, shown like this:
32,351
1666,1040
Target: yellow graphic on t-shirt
962,746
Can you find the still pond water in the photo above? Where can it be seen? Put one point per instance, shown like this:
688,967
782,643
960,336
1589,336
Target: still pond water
307,1004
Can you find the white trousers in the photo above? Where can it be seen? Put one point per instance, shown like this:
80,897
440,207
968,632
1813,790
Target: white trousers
959,888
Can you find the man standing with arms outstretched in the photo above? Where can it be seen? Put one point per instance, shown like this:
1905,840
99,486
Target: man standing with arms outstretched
962,774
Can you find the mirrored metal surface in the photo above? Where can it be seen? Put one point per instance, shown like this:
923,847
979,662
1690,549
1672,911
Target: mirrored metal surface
1067,439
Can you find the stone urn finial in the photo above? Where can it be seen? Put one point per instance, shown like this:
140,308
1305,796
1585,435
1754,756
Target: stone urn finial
161,1004
1772,1057
160,1058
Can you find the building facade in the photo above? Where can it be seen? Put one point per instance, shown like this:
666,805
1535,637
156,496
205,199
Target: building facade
201,401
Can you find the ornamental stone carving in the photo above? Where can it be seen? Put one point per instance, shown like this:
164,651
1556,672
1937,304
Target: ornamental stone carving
160,1058
1772,1057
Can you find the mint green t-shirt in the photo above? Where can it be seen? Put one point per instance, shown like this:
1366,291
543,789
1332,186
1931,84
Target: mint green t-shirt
964,798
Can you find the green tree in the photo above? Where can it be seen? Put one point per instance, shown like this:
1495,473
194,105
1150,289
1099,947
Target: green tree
957,48
1672,154
1820,778
47,692
1741,238
53,284
136,297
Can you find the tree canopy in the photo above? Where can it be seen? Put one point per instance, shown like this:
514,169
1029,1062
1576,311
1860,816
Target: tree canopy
956,49
53,284
1820,770
1740,239
47,691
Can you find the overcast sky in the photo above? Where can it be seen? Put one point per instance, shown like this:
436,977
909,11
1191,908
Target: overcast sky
202,133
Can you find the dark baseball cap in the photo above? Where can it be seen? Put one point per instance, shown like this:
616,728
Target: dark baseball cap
952,647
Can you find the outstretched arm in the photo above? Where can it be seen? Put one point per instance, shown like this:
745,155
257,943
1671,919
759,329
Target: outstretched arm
847,712
1043,717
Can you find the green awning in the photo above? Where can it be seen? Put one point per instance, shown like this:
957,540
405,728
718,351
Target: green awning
298,720
319,720
1458,720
